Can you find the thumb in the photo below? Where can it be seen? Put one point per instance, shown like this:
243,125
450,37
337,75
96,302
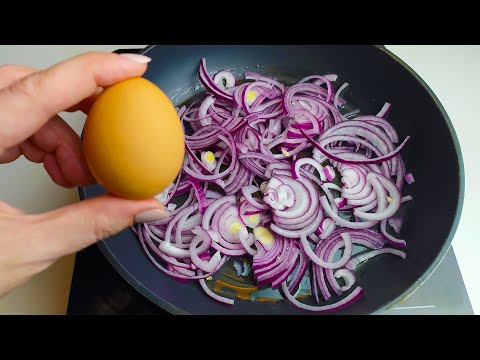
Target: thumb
74,227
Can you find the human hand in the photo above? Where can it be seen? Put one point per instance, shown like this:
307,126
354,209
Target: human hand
30,126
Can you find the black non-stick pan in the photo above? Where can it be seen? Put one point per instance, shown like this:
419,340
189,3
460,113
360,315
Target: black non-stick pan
375,76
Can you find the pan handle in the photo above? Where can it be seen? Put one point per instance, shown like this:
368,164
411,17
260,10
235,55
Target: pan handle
124,51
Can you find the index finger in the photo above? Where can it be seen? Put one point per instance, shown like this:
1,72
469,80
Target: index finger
11,73
27,104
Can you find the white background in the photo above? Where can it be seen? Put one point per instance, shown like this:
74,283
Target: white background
452,72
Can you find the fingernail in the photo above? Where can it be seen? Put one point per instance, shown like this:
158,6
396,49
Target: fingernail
142,59
151,215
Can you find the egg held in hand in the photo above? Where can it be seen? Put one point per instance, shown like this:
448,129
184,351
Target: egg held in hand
133,140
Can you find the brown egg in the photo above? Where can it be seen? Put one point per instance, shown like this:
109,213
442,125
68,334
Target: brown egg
133,139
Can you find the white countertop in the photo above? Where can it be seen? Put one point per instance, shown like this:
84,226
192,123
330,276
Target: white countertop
452,72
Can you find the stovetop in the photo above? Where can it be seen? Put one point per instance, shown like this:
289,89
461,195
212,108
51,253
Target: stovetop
98,289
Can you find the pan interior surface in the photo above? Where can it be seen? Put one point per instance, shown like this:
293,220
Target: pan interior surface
433,156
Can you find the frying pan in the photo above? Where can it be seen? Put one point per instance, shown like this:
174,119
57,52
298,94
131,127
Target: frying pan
375,76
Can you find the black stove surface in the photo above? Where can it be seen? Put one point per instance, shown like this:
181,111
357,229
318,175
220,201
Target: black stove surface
98,289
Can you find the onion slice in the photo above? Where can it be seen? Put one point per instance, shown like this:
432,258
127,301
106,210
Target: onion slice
347,253
349,299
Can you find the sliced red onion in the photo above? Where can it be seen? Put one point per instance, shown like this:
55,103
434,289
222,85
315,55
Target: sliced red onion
348,277
384,110
228,224
393,240
380,183
337,95
210,84
326,228
249,75
281,264
187,211
352,225
348,161
201,197
202,111
291,262
295,168
249,215
171,207
212,294
226,76
305,88
207,216
319,80
173,251
306,196
327,249
407,198
237,96
340,202
213,194
170,260
294,234
282,135
244,236
161,268
396,223
409,178
247,192
345,257
329,173
301,270
382,123
351,298
278,195
226,251
164,195
203,237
